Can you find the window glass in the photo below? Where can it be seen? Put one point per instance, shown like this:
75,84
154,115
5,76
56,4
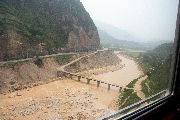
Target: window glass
83,59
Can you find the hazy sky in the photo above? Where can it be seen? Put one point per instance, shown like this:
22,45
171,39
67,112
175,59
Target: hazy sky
147,19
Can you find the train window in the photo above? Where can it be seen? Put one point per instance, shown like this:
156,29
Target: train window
85,59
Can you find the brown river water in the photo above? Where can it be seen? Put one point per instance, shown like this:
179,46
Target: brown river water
124,76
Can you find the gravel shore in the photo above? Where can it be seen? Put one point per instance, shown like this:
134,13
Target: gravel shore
64,99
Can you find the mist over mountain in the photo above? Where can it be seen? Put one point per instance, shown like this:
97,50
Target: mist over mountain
109,41
117,33
111,36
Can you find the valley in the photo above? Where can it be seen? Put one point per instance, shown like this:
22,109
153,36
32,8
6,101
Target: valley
60,97
58,61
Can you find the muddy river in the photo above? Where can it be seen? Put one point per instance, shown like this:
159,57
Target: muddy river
124,76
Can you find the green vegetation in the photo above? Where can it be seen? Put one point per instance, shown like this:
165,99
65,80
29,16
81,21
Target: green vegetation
85,60
39,26
153,60
132,83
64,59
74,67
132,54
60,59
156,65
157,80
13,64
40,21
128,98
132,99
145,89
75,64
38,62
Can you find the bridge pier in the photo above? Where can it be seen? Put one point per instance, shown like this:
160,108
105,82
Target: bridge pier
79,78
120,89
65,74
88,80
109,86
98,82
70,76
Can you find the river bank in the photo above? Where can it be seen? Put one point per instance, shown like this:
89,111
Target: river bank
64,99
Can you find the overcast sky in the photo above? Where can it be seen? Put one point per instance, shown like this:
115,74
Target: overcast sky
147,19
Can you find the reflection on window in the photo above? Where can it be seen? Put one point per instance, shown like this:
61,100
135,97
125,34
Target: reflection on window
72,59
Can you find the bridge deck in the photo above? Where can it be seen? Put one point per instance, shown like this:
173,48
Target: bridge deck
95,82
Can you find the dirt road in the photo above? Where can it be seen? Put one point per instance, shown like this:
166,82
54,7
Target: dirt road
88,54
137,87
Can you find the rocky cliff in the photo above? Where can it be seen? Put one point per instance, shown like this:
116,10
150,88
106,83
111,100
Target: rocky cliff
39,27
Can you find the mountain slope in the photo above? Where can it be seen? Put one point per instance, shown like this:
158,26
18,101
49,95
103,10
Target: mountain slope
109,41
39,27
156,64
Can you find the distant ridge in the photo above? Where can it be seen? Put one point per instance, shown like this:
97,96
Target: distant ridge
111,36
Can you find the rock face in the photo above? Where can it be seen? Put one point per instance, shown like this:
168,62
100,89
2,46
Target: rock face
39,27
80,41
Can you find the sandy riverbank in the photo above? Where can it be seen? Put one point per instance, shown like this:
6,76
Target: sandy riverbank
64,99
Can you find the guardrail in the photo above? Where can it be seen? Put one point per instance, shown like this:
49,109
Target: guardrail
26,59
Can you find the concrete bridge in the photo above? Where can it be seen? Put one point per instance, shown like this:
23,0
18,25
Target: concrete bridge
88,80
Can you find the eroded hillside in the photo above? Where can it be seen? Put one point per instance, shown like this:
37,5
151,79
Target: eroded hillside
21,75
95,61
